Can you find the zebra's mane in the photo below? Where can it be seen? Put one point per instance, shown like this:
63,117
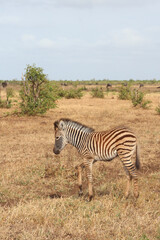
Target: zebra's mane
78,124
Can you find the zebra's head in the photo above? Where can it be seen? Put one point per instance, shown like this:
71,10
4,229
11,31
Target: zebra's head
60,136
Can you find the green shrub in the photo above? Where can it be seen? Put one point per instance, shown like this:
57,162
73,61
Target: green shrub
84,88
158,109
73,93
125,93
145,104
61,92
97,93
37,94
2,103
8,102
10,93
5,104
138,99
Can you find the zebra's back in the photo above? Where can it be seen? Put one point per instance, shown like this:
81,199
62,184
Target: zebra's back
107,144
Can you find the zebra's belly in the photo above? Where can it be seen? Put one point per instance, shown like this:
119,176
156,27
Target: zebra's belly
106,157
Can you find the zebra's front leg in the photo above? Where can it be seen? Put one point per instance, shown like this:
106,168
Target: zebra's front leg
88,166
79,172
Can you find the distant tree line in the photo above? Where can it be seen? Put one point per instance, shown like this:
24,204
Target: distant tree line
38,94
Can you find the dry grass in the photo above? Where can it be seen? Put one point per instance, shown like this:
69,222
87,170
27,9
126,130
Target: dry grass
38,190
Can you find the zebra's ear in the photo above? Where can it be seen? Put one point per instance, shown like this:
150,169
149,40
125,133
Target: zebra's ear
62,125
55,125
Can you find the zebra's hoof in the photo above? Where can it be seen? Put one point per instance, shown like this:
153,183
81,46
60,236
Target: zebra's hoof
80,194
136,194
126,195
90,198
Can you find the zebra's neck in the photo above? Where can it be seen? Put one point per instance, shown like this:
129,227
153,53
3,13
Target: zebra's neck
77,133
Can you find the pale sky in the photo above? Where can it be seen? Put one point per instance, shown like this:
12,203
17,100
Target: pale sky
81,39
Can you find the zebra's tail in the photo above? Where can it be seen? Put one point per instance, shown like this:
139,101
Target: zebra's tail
137,157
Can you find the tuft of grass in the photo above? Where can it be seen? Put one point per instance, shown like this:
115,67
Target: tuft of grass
144,237
97,93
145,104
158,109
158,234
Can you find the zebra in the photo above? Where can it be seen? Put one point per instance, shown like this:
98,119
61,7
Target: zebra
98,146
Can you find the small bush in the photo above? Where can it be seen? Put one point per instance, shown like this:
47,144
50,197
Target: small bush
145,104
10,94
61,92
73,93
125,93
138,99
158,109
97,93
84,88
7,103
37,94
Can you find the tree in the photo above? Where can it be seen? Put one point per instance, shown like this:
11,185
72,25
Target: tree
37,94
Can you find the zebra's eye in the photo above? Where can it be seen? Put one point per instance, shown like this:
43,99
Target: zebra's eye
57,138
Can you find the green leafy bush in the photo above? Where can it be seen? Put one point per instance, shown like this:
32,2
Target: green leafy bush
8,102
37,94
125,93
97,93
5,104
73,93
10,94
138,99
61,92
145,104
84,88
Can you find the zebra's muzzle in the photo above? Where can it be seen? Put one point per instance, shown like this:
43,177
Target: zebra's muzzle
56,151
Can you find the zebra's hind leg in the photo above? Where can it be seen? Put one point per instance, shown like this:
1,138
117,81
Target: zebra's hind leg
130,168
133,173
129,179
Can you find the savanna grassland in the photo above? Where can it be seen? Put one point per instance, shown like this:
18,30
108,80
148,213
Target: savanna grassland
38,190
